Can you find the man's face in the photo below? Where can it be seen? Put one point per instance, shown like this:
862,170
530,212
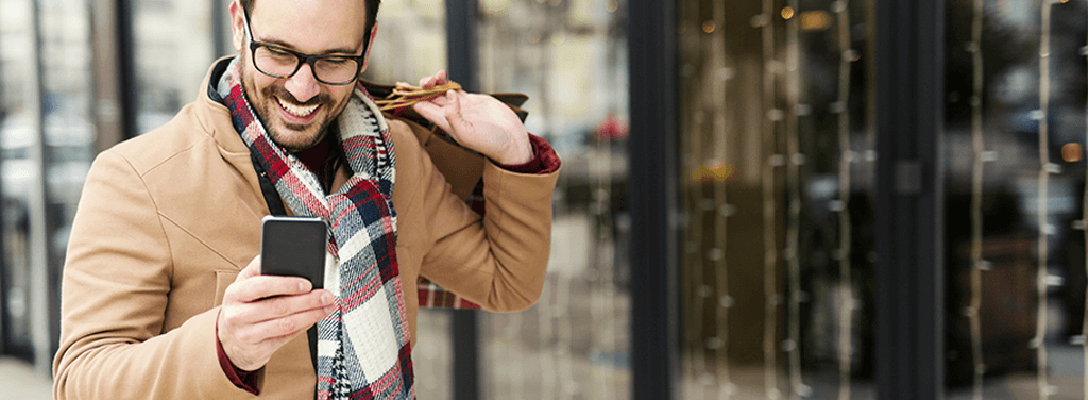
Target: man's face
296,111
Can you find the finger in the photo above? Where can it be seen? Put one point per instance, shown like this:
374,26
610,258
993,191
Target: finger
238,319
263,286
427,82
442,76
251,270
453,114
286,326
278,307
432,112
251,346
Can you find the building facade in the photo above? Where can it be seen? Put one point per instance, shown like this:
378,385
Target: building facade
760,198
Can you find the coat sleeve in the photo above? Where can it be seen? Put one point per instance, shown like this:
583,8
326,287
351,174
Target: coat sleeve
499,261
117,281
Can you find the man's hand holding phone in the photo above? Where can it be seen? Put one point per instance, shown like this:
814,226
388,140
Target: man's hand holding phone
261,313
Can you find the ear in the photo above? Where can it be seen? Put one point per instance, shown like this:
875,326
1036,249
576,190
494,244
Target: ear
369,47
237,25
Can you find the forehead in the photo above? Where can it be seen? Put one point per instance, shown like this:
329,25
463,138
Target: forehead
313,26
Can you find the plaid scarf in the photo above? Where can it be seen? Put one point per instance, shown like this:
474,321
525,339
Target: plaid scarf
363,350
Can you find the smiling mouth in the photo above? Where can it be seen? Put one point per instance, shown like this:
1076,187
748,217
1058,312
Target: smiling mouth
298,111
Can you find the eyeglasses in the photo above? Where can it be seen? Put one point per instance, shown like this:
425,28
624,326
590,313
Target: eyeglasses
279,62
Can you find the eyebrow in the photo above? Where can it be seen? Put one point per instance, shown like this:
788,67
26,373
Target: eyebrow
337,51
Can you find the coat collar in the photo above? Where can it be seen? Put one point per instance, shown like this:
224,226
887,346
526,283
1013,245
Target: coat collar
215,121
214,115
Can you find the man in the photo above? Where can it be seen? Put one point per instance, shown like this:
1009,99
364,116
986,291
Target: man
163,296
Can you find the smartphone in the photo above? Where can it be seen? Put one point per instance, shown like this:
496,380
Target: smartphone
294,246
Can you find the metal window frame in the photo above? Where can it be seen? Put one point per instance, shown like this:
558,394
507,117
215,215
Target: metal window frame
4,328
126,66
652,50
462,66
910,197
40,326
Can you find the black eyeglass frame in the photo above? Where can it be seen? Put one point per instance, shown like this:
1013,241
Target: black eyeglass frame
301,58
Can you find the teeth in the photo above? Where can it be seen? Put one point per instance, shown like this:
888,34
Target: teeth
298,111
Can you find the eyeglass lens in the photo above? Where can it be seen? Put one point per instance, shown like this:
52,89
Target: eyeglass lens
280,64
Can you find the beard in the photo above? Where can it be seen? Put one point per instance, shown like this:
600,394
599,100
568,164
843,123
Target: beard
293,137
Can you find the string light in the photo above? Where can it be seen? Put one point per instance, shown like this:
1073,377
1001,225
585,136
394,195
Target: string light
793,216
702,291
694,363
697,226
720,258
1039,341
976,267
1084,222
699,291
705,161
845,347
770,237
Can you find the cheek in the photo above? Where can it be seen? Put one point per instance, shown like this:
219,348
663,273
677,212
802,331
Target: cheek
258,86
343,92
342,95
265,85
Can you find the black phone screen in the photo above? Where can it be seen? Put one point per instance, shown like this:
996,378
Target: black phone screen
294,246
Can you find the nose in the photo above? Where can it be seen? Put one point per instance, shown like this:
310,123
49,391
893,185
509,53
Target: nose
302,85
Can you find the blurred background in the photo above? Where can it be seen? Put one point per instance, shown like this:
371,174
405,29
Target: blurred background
788,266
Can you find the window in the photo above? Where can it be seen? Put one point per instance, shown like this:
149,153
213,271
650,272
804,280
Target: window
570,58
777,149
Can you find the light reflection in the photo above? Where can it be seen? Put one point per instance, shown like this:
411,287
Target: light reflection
787,12
815,20
1072,152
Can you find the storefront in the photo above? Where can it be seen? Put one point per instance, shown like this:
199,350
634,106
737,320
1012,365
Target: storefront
760,198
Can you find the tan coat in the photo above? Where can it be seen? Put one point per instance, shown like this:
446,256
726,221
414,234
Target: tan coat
168,219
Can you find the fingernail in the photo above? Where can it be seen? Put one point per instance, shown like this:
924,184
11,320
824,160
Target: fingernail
330,308
302,286
326,298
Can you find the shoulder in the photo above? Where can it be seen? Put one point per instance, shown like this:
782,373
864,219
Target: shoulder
183,133
460,168
407,136
413,165
408,141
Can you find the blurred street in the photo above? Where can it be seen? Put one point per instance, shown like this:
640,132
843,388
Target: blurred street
18,382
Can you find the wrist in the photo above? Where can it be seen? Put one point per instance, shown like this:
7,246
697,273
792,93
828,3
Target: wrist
242,379
520,153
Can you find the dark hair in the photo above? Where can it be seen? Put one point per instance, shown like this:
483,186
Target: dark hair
371,17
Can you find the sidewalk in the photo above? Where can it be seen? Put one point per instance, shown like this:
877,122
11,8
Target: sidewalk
19,382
